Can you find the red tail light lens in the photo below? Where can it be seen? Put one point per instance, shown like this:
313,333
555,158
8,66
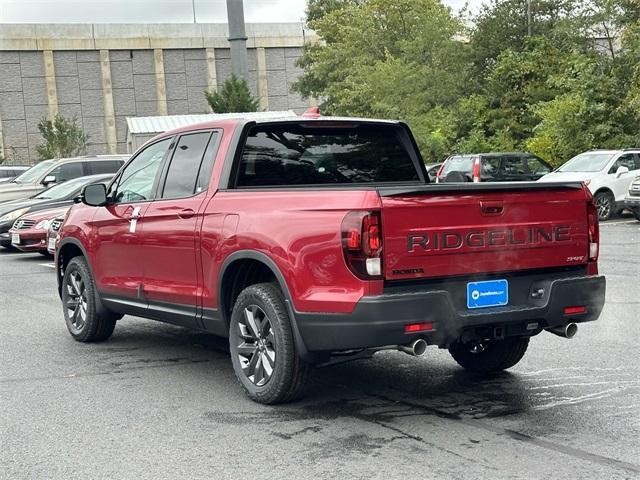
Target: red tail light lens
476,169
362,244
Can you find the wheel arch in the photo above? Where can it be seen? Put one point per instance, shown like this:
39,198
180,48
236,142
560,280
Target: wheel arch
69,248
248,267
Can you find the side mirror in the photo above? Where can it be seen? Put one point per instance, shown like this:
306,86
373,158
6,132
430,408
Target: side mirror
621,171
94,195
48,180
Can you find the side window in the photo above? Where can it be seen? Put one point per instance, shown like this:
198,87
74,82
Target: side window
206,168
103,166
514,166
626,160
67,171
490,166
185,165
536,167
137,179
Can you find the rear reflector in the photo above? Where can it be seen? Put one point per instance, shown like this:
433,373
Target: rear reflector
418,327
574,310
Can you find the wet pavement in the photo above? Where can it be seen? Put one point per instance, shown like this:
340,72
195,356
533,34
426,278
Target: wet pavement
158,401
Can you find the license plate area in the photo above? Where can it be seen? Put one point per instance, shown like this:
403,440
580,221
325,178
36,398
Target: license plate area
52,243
489,293
15,239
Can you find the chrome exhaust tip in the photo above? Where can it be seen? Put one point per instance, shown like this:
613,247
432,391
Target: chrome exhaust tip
415,348
567,331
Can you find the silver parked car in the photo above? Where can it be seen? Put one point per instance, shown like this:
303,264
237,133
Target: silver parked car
49,172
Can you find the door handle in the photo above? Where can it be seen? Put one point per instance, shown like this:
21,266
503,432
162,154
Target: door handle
491,208
186,213
132,213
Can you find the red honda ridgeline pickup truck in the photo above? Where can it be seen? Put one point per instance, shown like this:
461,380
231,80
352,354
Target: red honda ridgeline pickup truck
311,241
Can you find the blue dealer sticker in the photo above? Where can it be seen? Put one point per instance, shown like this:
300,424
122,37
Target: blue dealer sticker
492,293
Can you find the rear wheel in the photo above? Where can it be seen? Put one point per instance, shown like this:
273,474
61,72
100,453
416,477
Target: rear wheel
84,322
605,204
489,357
262,346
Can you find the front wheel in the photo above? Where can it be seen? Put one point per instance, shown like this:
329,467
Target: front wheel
84,321
262,346
489,357
605,204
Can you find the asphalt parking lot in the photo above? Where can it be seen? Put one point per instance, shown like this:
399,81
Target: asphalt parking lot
158,401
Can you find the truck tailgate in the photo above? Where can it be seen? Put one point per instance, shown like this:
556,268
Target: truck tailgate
438,231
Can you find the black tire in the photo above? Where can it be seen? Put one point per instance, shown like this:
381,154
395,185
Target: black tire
605,203
268,344
489,357
79,305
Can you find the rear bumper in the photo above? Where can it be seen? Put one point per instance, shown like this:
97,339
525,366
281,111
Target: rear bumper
379,321
632,203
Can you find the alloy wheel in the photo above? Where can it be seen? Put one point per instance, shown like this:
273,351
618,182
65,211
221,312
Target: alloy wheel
603,204
256,345
76,301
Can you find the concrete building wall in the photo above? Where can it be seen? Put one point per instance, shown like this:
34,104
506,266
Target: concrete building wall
101,74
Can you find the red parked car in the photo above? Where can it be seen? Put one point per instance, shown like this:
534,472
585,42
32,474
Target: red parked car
29,232
310,241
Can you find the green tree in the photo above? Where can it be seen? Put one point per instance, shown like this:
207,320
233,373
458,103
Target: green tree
392,59
234,96
62,138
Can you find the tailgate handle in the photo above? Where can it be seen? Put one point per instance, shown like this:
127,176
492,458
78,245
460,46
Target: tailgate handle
491,208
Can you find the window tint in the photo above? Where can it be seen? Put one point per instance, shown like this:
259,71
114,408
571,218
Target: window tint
536,167
490,166
332,154
67,171
137,179
206,168
185,165
514,166
104,166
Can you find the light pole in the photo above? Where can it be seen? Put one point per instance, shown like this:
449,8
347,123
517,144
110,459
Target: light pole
237,39
193,9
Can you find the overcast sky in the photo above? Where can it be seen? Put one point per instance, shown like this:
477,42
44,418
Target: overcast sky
138,11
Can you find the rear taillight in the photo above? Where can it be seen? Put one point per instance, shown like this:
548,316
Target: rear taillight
439,172
362,244
593,231
476,169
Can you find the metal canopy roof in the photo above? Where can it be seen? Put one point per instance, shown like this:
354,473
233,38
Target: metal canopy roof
159,124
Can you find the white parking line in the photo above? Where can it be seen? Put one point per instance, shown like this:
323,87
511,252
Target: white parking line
50,265
618,223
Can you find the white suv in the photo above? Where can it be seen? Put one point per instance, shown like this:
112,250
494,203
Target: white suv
607,173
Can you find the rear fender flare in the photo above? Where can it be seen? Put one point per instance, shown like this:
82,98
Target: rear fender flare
267,261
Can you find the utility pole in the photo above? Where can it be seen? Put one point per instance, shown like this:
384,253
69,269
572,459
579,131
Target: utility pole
237,39
529,17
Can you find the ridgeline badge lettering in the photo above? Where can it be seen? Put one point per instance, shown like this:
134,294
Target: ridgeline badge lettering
527,235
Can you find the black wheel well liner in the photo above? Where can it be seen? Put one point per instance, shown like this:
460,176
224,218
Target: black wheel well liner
247,267
69,248
605,190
